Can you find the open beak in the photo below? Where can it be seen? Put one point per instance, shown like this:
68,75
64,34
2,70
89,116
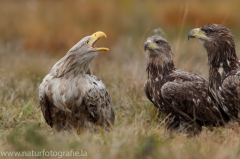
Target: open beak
149,45
94,38
197,33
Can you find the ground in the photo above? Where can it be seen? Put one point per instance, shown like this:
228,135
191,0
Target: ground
137,133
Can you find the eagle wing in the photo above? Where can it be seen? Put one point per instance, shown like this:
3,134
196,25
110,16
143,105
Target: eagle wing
86,95
189,97
98,102
44,104
230,91
147,91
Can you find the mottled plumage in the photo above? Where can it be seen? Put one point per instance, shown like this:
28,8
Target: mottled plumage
182,96
224,68
73,98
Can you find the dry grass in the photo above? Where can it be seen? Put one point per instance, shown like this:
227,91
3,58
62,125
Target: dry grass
138,133
47,27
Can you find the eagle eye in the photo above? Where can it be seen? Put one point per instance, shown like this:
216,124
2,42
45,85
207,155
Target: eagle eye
87,41
158,41
207,31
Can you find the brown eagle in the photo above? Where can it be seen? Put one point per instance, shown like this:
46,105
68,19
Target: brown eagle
71,97
224,71
181,96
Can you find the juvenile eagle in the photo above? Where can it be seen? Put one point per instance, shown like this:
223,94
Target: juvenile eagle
71,97
224,71
180,95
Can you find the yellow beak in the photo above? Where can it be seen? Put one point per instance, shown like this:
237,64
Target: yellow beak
149,45
94,38
197,33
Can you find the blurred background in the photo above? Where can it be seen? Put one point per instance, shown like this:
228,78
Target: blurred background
35,34
53,26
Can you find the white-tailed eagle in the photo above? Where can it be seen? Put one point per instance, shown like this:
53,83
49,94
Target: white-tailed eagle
181,96
224,71
71,97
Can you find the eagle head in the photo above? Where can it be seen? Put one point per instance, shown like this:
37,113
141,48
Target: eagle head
157,46
87,46
78,58
213,35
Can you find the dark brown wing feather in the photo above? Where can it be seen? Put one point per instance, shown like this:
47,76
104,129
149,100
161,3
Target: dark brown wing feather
184,98
98,103
190,99
231,95
44,104
146,90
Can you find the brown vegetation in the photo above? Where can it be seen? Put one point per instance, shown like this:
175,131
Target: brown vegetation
28,28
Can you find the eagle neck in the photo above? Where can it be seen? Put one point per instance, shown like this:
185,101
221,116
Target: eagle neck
156,66
222,60
72,65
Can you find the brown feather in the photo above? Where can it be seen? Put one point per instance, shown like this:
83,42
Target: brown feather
223,69
182,94
71,97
